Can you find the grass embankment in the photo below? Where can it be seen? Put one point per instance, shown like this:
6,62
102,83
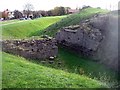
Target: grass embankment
27,28
21,73
76,62
73,63
70,20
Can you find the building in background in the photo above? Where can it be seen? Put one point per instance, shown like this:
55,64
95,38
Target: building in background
7,14
72,11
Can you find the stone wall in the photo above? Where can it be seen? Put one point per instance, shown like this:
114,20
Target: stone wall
32,49
96,38
81,37
107,52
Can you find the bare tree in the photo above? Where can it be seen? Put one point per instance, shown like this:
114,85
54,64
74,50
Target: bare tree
28,9
58,11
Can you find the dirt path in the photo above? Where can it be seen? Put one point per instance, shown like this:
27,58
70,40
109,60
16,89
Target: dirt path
11,23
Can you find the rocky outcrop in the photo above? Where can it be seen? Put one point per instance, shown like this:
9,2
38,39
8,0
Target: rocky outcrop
96,38
32,49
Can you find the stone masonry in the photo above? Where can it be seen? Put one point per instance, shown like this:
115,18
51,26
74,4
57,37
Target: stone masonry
96,38
83,38
31,49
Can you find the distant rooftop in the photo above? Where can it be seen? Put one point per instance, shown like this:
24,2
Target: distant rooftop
73,10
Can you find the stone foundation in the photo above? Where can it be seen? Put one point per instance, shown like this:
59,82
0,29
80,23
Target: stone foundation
31,49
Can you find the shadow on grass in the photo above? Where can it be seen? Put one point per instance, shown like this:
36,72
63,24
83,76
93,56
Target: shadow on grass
71,62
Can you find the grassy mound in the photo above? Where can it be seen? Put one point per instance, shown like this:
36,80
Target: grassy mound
20,73
27,28
71,20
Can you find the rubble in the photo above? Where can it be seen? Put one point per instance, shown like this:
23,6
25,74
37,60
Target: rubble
32,49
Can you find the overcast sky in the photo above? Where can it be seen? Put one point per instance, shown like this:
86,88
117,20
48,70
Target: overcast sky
50,4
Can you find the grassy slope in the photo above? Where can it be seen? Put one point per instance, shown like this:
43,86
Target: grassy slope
27,28
75,62
20,73
71,20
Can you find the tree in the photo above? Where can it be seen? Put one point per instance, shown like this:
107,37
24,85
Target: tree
17,14
28,9
84,7
62,11
43,13
49,13
58,11
67,10
36,14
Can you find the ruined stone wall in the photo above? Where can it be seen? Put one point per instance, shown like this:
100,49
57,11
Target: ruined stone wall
83,39
108,49
32,49
96,38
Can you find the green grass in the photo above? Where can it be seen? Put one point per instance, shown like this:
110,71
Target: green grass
27,28
73,63
76,62
71,20
21,73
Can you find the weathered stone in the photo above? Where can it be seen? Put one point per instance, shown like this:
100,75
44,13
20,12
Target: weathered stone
43,62
51,62
73,27
59,63
84,37
51,58
32,49
45,36
96,38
